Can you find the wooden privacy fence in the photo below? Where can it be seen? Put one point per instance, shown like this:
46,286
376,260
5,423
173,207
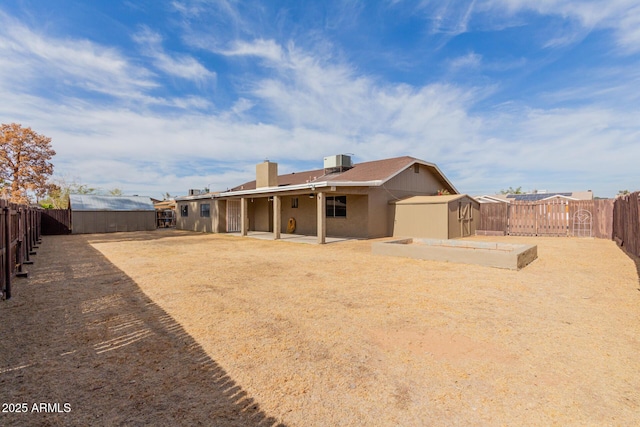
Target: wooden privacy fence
56,221
626,222
556,217
19,236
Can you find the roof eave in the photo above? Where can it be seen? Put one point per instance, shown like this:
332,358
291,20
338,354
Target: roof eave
311,186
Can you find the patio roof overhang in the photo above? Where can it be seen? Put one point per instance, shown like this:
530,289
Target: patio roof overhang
323,186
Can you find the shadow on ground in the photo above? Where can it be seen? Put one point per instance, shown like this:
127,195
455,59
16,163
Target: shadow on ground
80,332
127,236
636,261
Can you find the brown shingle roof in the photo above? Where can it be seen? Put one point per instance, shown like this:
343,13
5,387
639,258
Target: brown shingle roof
361,172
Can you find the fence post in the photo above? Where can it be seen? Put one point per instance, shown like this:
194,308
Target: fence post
8,270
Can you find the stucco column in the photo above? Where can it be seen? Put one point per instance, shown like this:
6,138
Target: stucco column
243,217
322,219
276,217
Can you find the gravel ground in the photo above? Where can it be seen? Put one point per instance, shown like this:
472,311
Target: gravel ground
233,330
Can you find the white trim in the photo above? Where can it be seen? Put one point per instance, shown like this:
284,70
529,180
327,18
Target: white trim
310,186
558,196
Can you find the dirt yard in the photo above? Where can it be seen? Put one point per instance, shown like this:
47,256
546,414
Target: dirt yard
193,329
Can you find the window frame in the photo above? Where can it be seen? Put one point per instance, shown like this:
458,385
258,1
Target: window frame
330,208
208,210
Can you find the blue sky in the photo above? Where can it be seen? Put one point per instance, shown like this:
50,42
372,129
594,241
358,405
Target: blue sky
162,96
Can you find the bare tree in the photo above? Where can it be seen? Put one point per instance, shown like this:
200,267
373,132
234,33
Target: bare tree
58,191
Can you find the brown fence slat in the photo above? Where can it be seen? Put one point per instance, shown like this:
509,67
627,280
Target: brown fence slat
555,217
19,234
56,222
493,217
522,219
552,218
626,222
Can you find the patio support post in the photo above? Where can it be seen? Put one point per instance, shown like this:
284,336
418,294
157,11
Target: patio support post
322,220
276,217
243,217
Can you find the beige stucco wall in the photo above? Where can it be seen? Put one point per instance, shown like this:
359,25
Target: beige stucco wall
382,218
260,214
380,214
266,174
356,223
194,222
305,214
409,183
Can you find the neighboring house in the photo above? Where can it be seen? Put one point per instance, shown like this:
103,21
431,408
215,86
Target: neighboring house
535,197
106,214
342,200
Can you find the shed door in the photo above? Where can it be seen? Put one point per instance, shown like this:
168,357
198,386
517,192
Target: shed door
233,216
465,217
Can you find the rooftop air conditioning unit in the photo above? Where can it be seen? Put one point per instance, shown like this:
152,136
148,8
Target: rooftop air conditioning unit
341,161
194,192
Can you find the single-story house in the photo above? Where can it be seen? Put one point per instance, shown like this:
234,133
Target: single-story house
436,217
342,199
91,213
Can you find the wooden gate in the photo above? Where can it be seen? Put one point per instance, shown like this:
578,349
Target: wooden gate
494,219
545,218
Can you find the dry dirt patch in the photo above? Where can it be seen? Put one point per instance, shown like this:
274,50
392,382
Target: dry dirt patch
82,345
223,330
333,335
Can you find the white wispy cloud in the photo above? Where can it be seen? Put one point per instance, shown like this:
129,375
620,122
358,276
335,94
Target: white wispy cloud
26,55
266,49
450,17
469,61
622,17
182,66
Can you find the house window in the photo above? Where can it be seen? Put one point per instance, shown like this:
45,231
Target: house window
205,208
416,168
294,202
336,206
184,210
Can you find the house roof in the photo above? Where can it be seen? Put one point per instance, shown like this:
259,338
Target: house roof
366,174
372,173
92,202
378,170
499,198
430,200
534,197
